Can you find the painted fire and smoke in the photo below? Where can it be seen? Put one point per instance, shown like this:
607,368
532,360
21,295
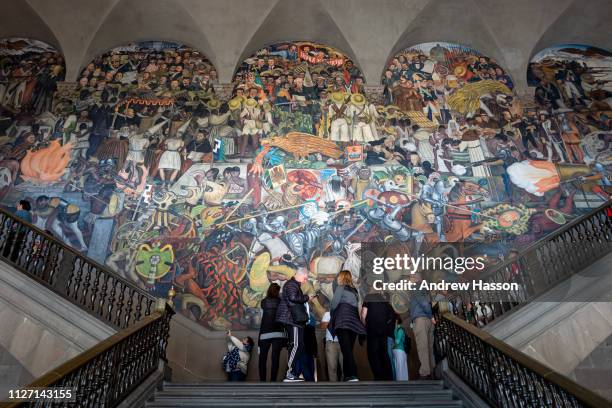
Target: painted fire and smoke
142,166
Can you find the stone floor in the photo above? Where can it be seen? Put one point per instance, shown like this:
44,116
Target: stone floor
12,373
596,370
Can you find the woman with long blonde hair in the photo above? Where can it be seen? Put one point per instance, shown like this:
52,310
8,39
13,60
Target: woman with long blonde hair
345,322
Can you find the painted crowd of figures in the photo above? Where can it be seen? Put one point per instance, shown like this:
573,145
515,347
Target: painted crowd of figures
142,166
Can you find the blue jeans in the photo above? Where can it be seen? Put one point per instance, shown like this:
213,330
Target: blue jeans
390,344
236,376
305,365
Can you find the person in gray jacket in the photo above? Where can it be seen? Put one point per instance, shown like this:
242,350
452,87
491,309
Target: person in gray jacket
345,322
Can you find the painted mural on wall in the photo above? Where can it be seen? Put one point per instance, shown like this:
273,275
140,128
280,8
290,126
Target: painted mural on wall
144,168
574,83
29,73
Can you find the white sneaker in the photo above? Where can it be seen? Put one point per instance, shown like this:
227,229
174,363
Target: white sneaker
292,378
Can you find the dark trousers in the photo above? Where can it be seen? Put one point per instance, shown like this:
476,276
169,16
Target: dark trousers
296,347
236,376
264,347
95,140
378,358
346,338
528,137
305,365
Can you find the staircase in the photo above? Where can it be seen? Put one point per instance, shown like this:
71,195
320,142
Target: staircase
124,369
353,395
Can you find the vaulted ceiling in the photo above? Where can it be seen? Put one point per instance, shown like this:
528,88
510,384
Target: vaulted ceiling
368,31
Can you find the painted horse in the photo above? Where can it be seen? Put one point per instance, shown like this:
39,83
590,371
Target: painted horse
459,215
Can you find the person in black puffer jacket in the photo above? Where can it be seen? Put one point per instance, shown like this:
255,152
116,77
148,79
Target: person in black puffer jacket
271,333
293,295
345,322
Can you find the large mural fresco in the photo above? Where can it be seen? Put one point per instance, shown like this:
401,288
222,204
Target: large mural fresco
144,167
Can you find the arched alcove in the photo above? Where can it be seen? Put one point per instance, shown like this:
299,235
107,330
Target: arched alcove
572,76
455,100
295,77
29,72
446,83
152,70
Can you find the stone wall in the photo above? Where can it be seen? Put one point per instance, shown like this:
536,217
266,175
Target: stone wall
40,330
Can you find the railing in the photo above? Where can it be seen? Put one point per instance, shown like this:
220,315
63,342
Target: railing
502,375
542,265
104,375
80,280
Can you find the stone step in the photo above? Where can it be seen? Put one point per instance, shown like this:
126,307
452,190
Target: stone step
257,384
375,394
292,388
355,402
427,394
235,396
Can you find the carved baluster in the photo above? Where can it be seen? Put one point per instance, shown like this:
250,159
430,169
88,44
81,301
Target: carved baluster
77,278
4,232
32,258
574,253
114,378
96,290
111,300
69,272
149,304
548,399
523,387
590,240
12,239
564,261
562,397
53,263
129,312
23,252
138,311
530,390
86,284
120,303
103,296
37,266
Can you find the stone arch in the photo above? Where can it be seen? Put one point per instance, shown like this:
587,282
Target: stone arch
459,27
132,21
569,27
23,21
290,55
312,23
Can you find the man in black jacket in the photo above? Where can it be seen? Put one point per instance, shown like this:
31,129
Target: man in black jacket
292,295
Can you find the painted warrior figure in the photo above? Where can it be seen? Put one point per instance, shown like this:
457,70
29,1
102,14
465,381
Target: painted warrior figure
434,193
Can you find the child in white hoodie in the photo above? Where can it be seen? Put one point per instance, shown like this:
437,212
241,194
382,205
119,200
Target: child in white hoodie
236,360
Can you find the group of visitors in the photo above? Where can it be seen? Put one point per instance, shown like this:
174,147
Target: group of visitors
288,322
